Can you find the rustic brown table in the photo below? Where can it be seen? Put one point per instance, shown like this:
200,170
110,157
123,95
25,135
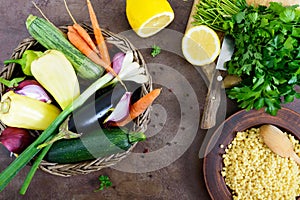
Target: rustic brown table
179,178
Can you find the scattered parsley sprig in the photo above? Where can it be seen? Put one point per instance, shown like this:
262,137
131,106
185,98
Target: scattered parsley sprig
155,50
104,183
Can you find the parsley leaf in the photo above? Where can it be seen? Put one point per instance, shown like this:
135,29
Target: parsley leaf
104,183
155,50
288,15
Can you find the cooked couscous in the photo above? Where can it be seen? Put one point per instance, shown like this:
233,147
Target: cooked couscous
252,171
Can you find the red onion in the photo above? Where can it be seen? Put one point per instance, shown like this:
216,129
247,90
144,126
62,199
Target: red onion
16,140
33,89
27,82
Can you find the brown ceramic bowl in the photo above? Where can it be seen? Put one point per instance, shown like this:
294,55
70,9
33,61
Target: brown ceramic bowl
286,119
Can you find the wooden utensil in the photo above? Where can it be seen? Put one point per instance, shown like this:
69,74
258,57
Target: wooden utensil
278,142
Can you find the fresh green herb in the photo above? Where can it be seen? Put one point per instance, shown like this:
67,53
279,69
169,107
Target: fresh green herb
155,50
104,183
214,13
267,56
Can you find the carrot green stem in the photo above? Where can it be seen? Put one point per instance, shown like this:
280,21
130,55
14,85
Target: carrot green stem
12,170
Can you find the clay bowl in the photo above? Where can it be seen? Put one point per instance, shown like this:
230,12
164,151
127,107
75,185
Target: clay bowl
286,119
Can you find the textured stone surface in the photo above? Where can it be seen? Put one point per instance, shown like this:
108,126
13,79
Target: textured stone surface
183,178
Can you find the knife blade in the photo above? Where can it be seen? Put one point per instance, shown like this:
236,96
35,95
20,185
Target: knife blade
226,52
213,97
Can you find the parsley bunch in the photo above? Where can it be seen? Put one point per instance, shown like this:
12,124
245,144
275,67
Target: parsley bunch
267,56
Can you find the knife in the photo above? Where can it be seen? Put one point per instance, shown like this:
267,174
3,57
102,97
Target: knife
213,96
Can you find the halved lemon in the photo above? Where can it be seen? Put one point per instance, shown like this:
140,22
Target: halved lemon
200,45
148,17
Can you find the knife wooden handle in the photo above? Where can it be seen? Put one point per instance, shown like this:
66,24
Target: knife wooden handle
212,102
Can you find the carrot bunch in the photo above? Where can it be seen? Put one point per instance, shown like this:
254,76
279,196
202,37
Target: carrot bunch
99,54
80,38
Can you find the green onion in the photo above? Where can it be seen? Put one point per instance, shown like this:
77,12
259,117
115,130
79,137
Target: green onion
33,169
11,171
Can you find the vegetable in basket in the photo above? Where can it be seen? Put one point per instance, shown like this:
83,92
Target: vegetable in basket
56,74
27,57
31,88
16,139
81,39
25,112
99,143
52,38
128,69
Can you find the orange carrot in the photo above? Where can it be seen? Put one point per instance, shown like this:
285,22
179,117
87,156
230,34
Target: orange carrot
83,42
84,48
139,107
81,31
98,34
81,45
84,34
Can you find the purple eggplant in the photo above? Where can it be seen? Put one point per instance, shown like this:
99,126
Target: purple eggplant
91,116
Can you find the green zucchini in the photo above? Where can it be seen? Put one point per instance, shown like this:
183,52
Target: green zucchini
51,37
100,143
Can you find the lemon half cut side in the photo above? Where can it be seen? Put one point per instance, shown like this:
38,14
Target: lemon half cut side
155,24
148,17
200,45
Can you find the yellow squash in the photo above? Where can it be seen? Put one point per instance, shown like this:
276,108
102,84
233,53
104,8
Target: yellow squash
57,75
24,112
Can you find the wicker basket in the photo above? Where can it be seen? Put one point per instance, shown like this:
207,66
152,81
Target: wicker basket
140,124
